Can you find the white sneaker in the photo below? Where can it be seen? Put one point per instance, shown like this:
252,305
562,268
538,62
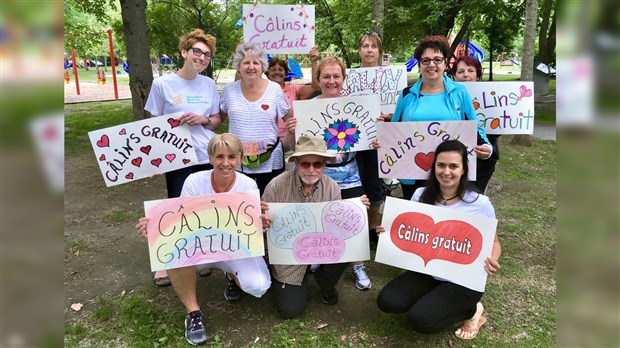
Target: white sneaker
362,282
313,268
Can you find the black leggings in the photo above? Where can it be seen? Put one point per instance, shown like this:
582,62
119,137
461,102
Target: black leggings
431,305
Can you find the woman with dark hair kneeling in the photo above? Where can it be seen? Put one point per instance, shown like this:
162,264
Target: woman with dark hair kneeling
434,304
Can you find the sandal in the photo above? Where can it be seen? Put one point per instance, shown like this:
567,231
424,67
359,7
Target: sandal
164,281
473,331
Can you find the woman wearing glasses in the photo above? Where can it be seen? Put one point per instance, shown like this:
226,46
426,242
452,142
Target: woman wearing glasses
196,96
435,98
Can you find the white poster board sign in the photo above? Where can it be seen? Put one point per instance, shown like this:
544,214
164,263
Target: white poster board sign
387,81
347,124
408,148
441,242
504,107
318,233
141,149
280,28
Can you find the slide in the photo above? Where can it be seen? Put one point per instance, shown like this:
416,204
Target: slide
514,62
295,69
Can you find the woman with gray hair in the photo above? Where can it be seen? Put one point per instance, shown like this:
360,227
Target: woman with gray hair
254,105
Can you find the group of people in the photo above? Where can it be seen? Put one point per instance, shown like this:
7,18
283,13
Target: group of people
261,117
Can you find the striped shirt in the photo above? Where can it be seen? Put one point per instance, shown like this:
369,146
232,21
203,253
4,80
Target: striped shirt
287,188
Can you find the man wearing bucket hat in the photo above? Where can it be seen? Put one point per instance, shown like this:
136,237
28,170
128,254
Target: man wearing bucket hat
305,184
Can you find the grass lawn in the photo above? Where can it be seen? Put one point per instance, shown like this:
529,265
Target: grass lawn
520,300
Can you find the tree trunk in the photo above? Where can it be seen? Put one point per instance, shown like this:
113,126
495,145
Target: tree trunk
546,55
544,25
459,36
527,56
376,17
133,13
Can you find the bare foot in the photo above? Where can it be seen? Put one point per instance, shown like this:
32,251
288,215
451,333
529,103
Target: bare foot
469,328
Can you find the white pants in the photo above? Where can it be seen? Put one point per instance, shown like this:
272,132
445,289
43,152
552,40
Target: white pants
252,273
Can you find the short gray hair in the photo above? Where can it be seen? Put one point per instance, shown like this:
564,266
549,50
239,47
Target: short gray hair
253,47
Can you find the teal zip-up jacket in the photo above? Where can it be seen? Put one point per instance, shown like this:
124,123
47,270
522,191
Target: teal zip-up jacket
459,102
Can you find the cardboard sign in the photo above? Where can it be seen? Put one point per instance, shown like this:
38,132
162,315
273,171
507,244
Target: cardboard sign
142,149
347,124
504,107
441,242
318,233
280,28
195,230
388,82
408,148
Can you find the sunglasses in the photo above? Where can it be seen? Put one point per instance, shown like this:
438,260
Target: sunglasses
198,52
316,165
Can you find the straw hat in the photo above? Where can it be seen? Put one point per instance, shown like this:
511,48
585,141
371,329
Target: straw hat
308,145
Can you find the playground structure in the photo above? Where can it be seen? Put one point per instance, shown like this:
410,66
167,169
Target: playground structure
100,76
508,59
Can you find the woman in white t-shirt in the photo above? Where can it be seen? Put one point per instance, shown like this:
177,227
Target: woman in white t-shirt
249,275
255,105
434,304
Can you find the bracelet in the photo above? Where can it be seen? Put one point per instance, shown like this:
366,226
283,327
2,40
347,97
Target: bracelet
208,122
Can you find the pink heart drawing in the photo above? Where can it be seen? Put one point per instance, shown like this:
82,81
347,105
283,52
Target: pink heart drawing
104,142
265,107
156,162
170,157
525,92
137,161
146,149
424,160
186,160
102,158
122,132
129,176
173,123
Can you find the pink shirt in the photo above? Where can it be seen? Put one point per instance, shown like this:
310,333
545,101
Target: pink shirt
291,92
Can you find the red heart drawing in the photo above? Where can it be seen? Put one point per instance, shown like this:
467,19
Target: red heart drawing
173,123
170,157
265,107
104,142
525,92
102,158
424,160
122,132
186,161
129,176
450,240
136,161
146,149
156,162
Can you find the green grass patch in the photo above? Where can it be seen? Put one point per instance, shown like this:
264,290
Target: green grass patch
117,217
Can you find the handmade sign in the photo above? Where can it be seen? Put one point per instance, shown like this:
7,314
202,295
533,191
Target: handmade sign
318,233
385,81
196,230
444,243
142,149
504,107
280,28
347,124
408,148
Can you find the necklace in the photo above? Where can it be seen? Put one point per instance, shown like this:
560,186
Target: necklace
445,200
216,189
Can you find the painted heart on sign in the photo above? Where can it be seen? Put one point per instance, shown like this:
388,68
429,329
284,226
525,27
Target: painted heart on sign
424,160
156,162
136,161
170,157
186,160
525,92
146,149
104,141
265,107
450,240
102,158
173,123
122,132
129,176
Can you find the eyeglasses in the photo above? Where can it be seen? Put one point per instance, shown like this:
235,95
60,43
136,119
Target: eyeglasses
198,52
316,165
427,61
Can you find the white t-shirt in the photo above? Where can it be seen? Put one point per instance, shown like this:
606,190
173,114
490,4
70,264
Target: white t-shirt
172,93
199,183
256,121
480,206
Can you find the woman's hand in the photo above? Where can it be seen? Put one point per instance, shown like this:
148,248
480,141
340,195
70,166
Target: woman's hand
379,229
483,151
141,226
290,124
383,117
266,222
365,201
375,144
491,265
314,54
192,119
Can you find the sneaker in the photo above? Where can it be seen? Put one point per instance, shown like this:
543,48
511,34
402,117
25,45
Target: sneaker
232,291
362,282
195,331
313,268
329,300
